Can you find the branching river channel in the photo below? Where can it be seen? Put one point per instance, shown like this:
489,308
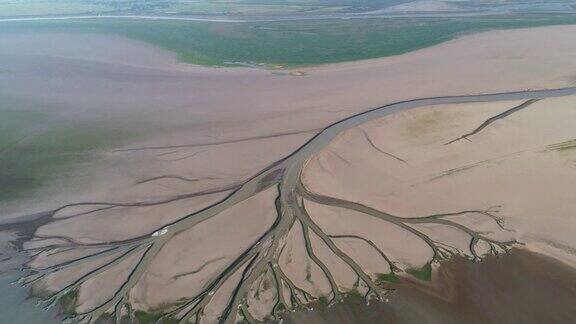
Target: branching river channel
261,256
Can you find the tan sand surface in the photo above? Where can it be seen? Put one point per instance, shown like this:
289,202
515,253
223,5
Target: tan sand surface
124,222
514,166
93,292
344,276
195,256
262,297
308,277
398,244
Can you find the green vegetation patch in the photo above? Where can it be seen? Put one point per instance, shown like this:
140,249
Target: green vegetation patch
355,295
292,42
563,146
143,317
280,307
323,300
424,273
387,277
68,302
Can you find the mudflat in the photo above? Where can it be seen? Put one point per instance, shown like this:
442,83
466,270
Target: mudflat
521,287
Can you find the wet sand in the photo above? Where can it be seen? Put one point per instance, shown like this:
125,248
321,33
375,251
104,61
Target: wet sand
521,287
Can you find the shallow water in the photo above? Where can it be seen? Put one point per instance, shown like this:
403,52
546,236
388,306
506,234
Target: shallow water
521,287
15,308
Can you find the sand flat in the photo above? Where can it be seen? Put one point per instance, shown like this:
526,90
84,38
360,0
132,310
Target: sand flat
514,166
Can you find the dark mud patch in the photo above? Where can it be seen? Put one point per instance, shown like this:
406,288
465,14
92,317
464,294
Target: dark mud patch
520,287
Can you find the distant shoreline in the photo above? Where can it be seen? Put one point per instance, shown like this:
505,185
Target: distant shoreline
257,18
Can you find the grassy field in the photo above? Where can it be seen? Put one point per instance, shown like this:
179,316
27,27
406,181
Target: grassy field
424,273
291,43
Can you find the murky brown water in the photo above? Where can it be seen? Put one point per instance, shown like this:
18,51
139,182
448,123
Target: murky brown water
521,287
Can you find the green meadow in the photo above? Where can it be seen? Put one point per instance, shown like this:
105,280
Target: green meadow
291,43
